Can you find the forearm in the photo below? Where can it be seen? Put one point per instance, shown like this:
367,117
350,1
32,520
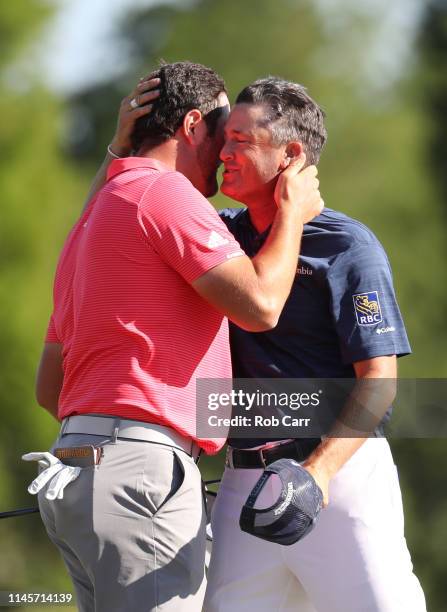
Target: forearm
100,177
365,408
331,455
276,263
298,201
121,144
52,409
252,292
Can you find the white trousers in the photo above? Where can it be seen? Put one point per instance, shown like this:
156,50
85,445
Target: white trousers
355,560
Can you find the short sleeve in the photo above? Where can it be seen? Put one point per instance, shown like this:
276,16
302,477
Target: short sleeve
366,314
51,335
184,228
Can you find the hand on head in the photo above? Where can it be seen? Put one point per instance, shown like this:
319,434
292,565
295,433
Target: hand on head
135,105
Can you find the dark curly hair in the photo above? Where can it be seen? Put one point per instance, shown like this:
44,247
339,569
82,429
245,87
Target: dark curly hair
183,87
291,114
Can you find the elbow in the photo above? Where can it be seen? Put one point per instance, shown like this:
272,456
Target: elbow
264,317
39,395
41,398
48,403
47,398
258,325
40,390
269,313
392,390
268,321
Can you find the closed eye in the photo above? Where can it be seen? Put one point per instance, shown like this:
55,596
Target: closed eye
236,137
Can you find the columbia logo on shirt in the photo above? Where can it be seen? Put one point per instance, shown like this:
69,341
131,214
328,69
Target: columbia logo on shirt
303,271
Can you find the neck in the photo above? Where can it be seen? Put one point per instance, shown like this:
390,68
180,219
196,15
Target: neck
262,213
167,153
175,155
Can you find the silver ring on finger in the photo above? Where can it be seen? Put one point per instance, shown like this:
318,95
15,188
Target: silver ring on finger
134,103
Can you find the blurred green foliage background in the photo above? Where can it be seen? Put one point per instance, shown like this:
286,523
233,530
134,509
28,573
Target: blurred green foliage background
385,164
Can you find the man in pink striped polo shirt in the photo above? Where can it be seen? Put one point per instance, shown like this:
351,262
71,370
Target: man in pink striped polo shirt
143,287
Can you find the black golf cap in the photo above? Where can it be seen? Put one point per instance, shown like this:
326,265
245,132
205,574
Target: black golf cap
295,512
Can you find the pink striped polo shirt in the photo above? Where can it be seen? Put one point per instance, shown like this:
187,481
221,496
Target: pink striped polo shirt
135,334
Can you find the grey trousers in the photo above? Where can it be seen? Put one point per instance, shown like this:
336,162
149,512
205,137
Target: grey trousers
131,530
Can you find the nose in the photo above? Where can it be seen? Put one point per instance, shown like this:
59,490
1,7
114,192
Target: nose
226,153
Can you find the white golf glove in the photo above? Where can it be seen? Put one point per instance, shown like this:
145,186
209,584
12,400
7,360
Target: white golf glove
56,473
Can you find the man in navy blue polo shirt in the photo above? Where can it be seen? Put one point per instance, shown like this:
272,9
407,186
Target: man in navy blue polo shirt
341,320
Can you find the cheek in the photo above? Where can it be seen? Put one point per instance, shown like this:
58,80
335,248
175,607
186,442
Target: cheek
208,156
263,168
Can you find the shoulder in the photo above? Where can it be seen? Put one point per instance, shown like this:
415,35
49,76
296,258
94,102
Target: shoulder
353,230
343,237
176,183
171,193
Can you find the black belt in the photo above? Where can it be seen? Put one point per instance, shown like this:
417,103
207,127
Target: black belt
247,459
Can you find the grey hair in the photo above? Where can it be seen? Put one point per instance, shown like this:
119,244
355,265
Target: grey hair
291,114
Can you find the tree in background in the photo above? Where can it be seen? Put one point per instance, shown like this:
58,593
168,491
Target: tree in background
424,477
433,95
39,191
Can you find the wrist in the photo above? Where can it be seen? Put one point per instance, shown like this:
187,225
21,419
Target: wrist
291,211
117,149
318,465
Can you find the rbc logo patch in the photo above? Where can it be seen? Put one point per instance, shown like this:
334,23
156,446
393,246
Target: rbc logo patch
367,308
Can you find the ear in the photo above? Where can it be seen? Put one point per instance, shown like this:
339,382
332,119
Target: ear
190,126
291,151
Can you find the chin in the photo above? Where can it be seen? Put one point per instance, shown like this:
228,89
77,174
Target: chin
210,189
230,193
226,189
211,192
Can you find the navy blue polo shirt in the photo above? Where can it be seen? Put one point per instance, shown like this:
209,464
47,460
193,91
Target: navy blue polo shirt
342,307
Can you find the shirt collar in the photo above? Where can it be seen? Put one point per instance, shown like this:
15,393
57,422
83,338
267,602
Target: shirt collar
246,221
130,163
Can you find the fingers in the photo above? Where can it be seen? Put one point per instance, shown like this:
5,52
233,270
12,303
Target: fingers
45,459
144,92
150,76
136,111
298,161
149,96
147,85
319,207
56,487
42,479
310,171
296,164
137,103
140,111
